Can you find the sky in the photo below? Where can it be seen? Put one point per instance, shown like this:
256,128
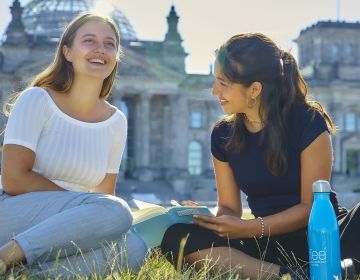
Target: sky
205,24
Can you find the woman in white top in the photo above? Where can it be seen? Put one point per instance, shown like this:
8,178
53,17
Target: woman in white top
62,149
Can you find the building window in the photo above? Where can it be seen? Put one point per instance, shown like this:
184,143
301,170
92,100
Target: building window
196,120
334,50
195,158
350,122
348,50
352,162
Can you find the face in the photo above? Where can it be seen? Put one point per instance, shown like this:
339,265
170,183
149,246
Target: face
232,96
94,50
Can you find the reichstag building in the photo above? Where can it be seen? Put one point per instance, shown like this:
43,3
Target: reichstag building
170,113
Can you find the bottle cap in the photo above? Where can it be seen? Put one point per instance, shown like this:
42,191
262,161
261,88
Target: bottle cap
321,186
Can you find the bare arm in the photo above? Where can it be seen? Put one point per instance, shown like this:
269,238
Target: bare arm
316,163
229,200
17,176
107,185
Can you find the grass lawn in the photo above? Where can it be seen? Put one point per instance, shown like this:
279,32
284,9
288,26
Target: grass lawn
155,268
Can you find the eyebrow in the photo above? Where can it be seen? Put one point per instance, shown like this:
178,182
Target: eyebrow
220,78
92,35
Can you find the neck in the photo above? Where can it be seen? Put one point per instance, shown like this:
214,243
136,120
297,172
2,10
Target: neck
254,122
85,93
252,118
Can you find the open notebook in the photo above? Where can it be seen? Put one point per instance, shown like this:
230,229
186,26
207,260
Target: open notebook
151,220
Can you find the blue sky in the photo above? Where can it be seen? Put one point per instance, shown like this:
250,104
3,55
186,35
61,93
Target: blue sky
205,24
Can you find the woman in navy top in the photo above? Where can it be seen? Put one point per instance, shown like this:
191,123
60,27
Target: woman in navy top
272,144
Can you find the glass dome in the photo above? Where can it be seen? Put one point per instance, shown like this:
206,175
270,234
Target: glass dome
47,18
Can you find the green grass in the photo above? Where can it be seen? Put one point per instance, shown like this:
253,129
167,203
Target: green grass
155,268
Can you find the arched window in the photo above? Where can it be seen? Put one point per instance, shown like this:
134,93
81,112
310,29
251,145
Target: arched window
350,122
195,158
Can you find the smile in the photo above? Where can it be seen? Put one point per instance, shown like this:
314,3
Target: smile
223,102
97,61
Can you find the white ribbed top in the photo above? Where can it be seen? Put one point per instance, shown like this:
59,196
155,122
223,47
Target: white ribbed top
74,154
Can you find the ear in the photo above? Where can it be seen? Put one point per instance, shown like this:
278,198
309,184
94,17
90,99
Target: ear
66,53
255,89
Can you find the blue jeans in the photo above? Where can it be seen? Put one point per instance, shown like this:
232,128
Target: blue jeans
85,232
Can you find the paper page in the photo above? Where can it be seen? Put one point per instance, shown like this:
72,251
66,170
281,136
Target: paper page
143,205
147,213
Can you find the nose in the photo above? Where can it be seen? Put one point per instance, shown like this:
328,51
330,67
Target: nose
214,90
100,48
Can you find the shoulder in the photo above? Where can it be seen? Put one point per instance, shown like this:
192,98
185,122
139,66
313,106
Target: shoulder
33,93
32,98
305,125
301,116
220,132
221,128
119,121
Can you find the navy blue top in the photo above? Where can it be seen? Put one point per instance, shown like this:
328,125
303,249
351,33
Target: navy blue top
269,194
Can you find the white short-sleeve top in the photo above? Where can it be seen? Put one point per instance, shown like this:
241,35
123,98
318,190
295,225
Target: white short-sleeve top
75,155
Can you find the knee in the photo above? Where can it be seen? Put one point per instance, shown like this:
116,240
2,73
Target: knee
118,215
171,242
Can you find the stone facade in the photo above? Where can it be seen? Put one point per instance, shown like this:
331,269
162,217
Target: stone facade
329,55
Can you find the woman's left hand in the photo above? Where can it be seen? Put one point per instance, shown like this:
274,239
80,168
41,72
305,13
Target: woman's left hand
226,226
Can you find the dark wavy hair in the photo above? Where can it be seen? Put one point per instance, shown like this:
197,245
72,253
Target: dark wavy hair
253,57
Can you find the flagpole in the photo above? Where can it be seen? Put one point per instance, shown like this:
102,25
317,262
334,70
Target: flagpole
338,10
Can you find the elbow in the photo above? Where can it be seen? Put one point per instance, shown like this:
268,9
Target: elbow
10,184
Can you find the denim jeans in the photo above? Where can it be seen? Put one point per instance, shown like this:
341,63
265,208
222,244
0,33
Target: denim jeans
86,231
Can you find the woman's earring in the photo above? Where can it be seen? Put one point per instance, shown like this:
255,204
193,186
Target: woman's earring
250,102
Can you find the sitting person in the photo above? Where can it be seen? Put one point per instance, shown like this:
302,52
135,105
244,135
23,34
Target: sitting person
62,150
272,144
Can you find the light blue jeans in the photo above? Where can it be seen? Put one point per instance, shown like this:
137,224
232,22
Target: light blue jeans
71,232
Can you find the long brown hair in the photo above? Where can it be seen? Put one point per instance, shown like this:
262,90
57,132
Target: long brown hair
250,57
59,75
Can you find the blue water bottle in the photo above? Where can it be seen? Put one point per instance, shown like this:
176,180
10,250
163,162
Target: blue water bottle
323,236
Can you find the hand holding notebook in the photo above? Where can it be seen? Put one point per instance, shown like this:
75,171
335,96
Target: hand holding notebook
151,220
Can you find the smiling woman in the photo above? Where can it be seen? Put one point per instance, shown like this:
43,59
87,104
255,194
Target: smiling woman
49,173
93,51
272,144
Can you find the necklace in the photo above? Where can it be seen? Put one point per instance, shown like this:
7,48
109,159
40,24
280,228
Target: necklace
252,121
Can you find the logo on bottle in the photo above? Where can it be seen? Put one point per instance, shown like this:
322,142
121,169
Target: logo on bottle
318,257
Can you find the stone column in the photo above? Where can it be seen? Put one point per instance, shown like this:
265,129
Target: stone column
167,134
336,139
143,139
177,172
